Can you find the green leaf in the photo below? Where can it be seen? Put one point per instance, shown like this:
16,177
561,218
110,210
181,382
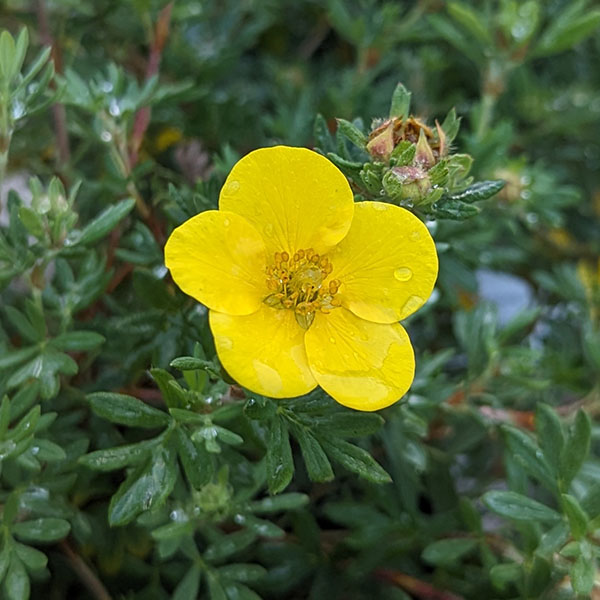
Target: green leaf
524,450
22,324
482,190
14,357
78,341
237,591
348,167
583,575
43,530
33,559
16,582
553,540
21,49
243,572
230,544
4,416
356,459
261,527
126,410
576,448
117,458
400,106
215,589
24,399
447,552
454,210
566,30
5,556
518,507
348,424
197,463
32,221
578,520
282,503
188,587
316,461
353,133
228,437
173,394
506,574
323,135
190,363
7,57
471,21
48,451
26,426
550,434
104,223
537,577
147,487
279,462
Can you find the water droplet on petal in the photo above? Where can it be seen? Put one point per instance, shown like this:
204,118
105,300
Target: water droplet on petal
332,340
411,305
232,186
268,229
403,274
226,343
380,206
227,222
415,235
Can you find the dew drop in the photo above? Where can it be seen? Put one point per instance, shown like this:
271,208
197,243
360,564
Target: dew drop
226,343
403,274
106,136
227,222
332,340
114,109
232,187
411,305
415,235
380,206
268,229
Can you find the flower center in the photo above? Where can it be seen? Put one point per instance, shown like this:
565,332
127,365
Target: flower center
298,282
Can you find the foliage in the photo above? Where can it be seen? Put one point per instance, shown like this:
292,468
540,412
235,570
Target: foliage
132,466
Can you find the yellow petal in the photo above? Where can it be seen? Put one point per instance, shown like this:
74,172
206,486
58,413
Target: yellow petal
363,365
264,351
387,263
218,258
295,197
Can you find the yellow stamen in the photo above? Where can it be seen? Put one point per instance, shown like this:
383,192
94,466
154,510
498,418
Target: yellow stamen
298,282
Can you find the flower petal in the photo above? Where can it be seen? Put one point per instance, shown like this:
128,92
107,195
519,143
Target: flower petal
387,263
295,197
363,365
264,351
218,258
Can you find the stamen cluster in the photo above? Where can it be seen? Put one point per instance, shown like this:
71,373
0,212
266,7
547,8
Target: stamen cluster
298,282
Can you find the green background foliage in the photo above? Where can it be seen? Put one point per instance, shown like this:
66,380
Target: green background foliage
131,466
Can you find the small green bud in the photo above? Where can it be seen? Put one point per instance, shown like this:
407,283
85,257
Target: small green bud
407,183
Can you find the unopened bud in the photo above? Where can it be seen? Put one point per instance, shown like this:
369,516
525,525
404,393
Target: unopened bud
407,183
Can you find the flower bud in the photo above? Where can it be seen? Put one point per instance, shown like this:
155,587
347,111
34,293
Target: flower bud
381,141
407,183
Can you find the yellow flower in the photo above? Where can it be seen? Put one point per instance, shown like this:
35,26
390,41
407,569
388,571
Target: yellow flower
304,286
